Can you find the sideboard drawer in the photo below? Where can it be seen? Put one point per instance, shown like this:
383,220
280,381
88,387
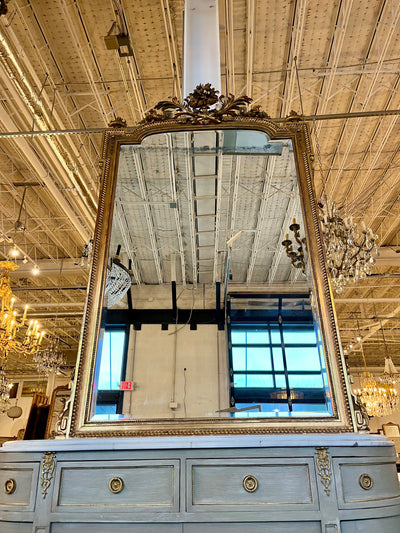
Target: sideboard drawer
239,485
375,525
18,486
104,527
367,483
16,527
270,527
120,485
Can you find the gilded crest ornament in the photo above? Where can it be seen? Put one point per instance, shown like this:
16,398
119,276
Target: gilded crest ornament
203,106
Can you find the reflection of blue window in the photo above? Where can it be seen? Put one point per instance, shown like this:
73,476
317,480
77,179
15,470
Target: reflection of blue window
112,356
275,357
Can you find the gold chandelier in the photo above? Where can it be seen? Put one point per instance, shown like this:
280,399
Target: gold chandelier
379,398
11,337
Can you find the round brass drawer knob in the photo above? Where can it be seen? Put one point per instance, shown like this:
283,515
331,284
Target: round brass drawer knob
9,486
250,484
116,485
366,481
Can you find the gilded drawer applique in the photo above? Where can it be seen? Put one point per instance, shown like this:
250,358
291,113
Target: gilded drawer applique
47,470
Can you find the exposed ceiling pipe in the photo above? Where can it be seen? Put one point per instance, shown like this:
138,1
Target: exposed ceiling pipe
308,118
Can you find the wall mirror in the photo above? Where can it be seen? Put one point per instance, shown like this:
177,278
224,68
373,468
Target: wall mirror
209,308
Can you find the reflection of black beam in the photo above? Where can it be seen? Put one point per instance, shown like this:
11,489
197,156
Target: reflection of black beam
161,316
218,305
174,306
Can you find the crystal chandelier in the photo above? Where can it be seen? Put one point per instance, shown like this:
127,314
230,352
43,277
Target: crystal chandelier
390,375
378,398
4,391
51,359
10,324
349,250
118,279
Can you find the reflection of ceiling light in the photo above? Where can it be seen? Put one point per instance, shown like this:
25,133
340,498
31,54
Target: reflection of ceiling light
35,270
118,282
51,359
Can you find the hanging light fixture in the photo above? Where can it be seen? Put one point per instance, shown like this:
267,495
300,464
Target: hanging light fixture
349,250
296,257
51,359
374,396
87,253
11,338
4,391
118,280
389,378
378,395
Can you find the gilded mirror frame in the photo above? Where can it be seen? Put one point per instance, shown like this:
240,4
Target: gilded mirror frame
297,131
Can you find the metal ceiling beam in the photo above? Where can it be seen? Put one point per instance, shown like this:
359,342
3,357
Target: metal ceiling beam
333,58
43,175
190,200
49,268
18,84
148,214
250,29
307,118
174,199
296,40
218,212
269,172
349,141
172,48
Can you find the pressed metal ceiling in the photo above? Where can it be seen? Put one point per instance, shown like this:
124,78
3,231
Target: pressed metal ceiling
57,74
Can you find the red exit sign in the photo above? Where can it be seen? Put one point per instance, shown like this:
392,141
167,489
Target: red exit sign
126,385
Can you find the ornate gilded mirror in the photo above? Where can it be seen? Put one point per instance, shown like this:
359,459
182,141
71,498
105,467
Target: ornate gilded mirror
209,307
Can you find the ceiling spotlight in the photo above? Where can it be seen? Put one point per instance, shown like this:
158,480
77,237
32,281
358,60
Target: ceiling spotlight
24,260
35,270
14,251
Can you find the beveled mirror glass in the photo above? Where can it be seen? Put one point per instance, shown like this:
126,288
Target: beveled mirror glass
209,308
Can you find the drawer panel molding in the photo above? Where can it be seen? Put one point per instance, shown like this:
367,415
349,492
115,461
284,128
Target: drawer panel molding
121,486
237,485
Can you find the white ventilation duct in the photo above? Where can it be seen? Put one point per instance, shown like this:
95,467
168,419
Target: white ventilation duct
201,56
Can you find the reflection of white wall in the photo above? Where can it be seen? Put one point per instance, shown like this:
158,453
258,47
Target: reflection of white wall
157,362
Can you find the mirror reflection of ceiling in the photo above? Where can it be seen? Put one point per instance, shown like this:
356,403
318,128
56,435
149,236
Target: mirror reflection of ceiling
194,200
56,73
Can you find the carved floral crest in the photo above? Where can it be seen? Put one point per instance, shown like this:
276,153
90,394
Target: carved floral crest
203,106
